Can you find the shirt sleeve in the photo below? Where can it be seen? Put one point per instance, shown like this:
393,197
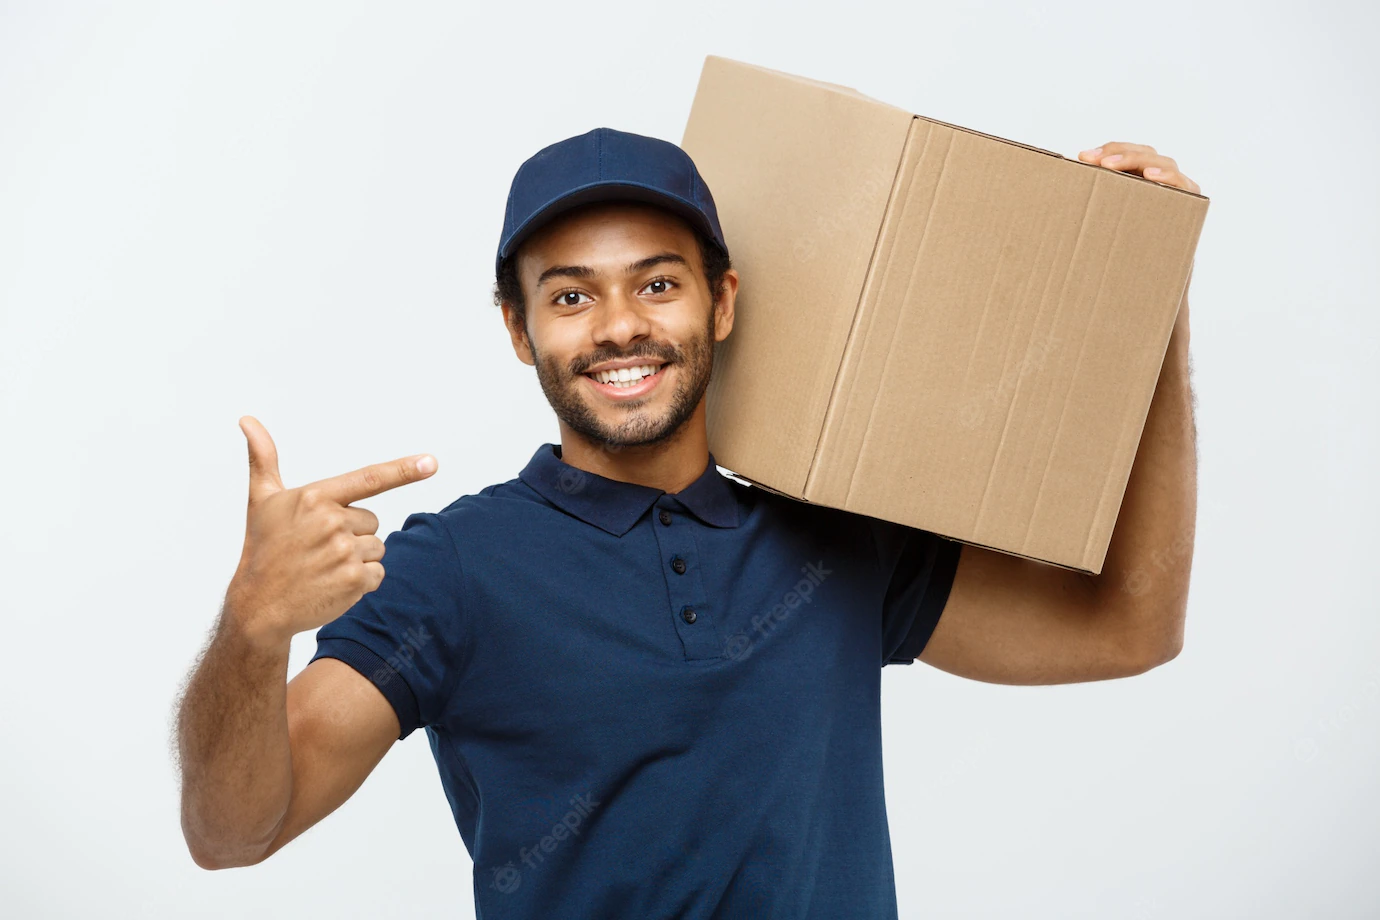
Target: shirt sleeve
408,635
918,568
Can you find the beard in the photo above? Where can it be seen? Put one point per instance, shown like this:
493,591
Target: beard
640,425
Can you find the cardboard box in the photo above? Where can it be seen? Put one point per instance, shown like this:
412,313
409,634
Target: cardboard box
935,326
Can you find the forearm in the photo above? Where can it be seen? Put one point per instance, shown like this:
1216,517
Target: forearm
233,745
1146,572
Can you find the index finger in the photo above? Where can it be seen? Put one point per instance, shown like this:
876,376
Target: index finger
375,478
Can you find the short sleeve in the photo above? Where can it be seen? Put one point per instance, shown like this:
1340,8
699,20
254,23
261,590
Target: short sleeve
408,635
918,569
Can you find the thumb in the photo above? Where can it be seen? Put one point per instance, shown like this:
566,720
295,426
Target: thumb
263,460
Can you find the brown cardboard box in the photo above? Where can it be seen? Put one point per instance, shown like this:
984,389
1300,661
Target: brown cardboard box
935,326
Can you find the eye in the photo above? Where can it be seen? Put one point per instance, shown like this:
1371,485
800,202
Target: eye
570,298
659,285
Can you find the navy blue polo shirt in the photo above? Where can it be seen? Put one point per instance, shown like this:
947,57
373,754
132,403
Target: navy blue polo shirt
653,705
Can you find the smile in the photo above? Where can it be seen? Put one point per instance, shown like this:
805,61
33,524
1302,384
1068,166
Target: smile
627,382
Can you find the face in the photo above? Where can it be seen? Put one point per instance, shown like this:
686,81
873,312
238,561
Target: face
620,283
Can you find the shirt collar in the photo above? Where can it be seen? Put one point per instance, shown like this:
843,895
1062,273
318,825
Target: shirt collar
616,506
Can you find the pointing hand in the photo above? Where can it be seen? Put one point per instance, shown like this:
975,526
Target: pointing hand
308,555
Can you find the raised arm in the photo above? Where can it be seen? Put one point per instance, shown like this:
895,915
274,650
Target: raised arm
262,760
1012,621
1009,620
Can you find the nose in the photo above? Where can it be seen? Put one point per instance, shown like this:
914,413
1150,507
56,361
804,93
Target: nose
620,320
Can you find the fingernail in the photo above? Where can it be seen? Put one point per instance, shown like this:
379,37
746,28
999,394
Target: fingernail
1093,152
427,464
1112,159
1152,171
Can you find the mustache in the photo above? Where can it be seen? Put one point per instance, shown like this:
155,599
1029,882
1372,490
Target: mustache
666,355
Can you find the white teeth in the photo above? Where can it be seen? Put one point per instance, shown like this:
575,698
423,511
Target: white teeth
625,376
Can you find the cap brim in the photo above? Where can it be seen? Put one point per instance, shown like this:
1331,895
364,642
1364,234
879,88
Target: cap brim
605,191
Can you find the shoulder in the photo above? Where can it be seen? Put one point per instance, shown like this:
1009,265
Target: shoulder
877,539
497,499
492,514
822,523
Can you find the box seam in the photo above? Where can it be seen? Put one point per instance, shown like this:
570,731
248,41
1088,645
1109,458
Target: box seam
831,407
1064,400
910,282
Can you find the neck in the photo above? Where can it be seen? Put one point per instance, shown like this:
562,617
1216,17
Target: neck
668,465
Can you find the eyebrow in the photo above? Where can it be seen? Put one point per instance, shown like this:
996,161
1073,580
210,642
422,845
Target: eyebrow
584,271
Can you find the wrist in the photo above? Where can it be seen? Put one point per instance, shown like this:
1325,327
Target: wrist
254,626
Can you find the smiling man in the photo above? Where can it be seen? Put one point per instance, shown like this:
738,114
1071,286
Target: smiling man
651,690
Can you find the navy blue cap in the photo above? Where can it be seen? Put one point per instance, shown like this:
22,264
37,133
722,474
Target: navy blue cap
604,165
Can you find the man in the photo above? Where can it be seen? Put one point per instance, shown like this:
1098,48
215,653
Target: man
650,690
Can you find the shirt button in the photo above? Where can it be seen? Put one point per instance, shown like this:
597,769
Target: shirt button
678,564
664,516
688,614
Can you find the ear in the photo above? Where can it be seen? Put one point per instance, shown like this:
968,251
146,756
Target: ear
517,331
723,307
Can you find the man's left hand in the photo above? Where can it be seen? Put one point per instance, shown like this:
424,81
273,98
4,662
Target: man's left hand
1140,160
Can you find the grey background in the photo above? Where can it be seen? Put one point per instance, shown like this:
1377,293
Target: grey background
290,211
